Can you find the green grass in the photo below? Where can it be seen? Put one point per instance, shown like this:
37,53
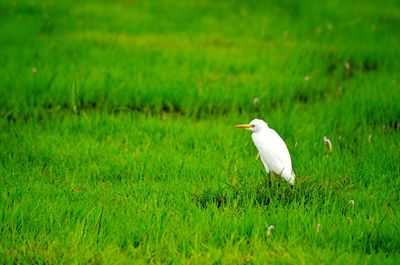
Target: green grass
117,142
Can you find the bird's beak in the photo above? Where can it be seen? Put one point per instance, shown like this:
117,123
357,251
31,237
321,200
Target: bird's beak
245,126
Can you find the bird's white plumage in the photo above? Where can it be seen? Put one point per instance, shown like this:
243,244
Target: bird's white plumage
273,151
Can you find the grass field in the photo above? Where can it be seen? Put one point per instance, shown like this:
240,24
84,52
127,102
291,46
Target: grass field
117,141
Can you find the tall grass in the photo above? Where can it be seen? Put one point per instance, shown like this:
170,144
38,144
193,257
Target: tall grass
117,143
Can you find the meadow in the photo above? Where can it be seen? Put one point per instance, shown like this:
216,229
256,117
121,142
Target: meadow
117,143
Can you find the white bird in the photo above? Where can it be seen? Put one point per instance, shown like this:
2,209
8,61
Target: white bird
272,149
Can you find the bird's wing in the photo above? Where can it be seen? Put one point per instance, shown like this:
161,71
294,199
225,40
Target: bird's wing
273,151
279,148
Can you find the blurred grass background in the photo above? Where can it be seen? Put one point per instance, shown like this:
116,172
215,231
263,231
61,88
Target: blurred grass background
195,57
117,143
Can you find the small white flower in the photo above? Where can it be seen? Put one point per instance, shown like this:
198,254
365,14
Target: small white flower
256,101
328,143
270,229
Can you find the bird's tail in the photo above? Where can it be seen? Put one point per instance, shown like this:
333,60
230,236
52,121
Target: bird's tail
292,178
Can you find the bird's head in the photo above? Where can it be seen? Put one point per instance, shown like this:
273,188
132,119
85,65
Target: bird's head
255,125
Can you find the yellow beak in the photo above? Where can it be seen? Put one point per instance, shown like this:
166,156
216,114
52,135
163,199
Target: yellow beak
245,126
